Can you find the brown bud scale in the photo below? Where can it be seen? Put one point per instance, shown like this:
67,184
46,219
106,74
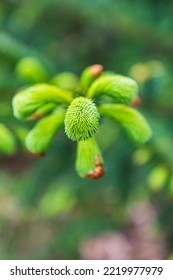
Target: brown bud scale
99,170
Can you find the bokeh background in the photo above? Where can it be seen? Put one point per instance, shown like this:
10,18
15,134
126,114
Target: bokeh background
46,210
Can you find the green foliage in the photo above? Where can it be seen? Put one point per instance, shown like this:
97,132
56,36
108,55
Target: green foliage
66,80
157,177
120,88
7,142
27,102
81,119
57,201
46,210
32,69
39,138
88,154
10,47
89,75
131,120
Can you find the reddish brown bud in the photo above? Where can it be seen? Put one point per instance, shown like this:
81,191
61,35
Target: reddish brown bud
137,102
96,70
37,155
98,172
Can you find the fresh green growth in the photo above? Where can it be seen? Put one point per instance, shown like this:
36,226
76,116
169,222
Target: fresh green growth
65,80
90,74
39,138
31,69
73,101
7,141
88,157
131,120
81,119
121,89
27,102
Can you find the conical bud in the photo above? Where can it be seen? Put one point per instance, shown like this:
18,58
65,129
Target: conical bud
81,119
90,74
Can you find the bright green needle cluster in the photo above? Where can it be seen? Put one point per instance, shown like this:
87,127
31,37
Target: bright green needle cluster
81,119
131,120
72,102
40,137
121,89
27,102
87,154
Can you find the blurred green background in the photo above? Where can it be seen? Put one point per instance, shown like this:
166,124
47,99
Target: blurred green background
46,210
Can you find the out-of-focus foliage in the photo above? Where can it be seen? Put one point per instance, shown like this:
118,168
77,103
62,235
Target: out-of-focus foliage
46,211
